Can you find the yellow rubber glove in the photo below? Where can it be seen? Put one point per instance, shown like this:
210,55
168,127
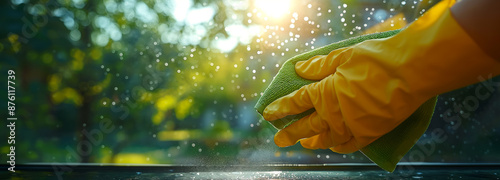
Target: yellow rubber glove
368,89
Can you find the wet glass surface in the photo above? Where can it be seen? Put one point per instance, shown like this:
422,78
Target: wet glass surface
346,171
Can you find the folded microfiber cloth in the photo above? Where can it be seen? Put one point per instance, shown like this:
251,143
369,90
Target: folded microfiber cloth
387,150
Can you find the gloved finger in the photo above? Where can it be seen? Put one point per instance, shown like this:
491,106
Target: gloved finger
321,141
315,142
319,67
326,140
346,148
291,104
303,128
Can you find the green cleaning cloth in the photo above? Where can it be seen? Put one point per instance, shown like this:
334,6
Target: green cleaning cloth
387,150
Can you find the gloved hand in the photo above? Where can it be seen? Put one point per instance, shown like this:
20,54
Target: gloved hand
368,89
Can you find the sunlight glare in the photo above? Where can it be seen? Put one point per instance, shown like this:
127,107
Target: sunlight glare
273,8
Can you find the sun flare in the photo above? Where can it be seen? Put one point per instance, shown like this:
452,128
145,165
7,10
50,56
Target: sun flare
273,8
